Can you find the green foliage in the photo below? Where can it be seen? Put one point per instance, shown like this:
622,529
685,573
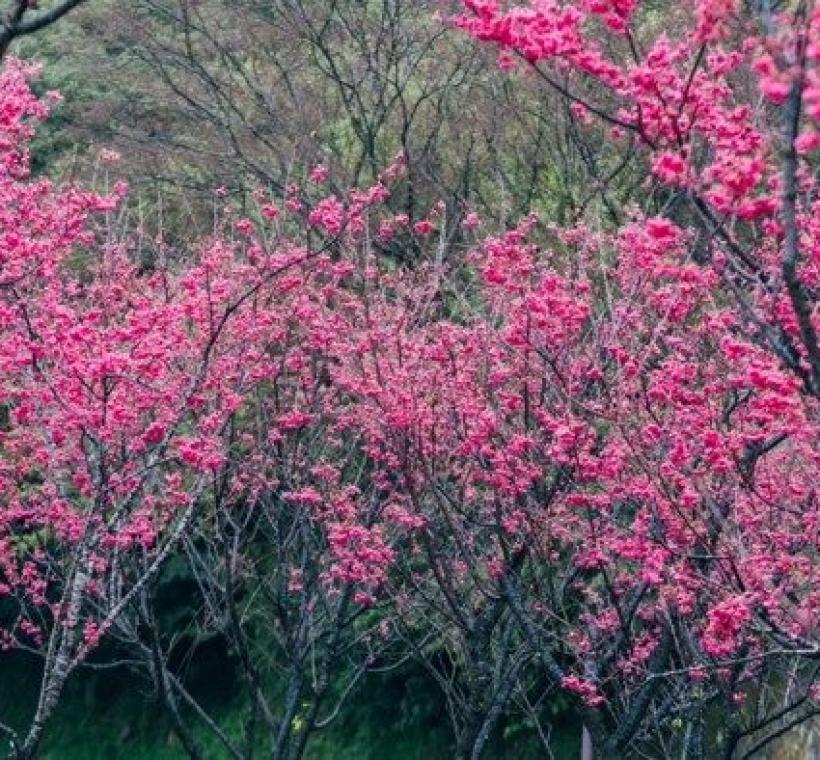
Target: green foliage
112,714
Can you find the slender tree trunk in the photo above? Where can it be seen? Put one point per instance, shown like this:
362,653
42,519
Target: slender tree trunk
586,744
58,659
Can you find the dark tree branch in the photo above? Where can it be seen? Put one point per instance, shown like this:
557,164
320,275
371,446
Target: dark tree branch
19,23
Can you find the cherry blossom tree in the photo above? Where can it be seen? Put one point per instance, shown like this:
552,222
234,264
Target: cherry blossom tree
121,389
742,163
582,459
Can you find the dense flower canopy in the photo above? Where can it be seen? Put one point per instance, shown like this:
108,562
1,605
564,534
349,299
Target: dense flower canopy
615,431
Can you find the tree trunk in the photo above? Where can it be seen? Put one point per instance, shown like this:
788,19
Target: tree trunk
586,745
